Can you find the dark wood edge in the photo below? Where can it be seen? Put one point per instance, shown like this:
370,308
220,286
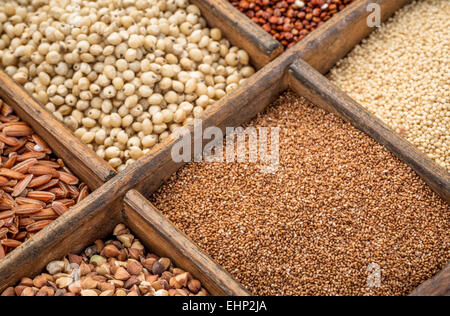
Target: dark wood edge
309,83
160,235
83,161
324,47
94,218
241,31
439,285
148,173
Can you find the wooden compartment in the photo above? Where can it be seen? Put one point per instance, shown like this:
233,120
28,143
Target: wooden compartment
322,49
241,32
84,162
94,218
350,9
113,201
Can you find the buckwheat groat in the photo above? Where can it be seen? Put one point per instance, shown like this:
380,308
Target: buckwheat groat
401,73
120,266
339,204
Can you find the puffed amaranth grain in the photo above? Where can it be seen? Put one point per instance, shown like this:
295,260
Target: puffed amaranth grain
401,74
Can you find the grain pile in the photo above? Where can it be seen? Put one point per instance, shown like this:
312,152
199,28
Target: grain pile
338,203
35,186
401,73
290,21
122,75
120,266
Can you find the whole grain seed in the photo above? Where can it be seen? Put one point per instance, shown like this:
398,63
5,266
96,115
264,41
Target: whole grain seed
401,73
33,181
339,203
289,21
109,70
120,266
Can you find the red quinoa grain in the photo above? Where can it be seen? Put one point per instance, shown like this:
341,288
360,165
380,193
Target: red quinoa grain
289,21
338,203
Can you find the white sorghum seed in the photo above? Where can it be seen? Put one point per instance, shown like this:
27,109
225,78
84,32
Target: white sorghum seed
197,111
149,141
159,128
179,116
109,66
202,101
115,162
87,137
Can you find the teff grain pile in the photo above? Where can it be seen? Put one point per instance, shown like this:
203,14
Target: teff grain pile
338,203
401,73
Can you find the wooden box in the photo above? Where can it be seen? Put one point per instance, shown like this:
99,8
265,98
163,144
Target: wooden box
120,197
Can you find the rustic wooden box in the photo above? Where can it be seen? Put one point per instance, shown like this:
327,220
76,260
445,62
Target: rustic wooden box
120,198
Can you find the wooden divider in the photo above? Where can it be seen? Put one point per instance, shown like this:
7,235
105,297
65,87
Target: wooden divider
323,48
439,285
148,173
93,170
92,218
95,216
159,234
312,85
241,31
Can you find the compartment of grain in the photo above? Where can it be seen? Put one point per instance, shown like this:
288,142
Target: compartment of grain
119,266
339,212
401,74
290,21
35,186
122,78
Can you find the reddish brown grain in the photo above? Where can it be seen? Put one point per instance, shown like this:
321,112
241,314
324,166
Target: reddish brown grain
285,20
338,203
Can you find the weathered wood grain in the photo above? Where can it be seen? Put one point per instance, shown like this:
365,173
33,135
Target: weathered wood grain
241,31
83,161
160,235
439,285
